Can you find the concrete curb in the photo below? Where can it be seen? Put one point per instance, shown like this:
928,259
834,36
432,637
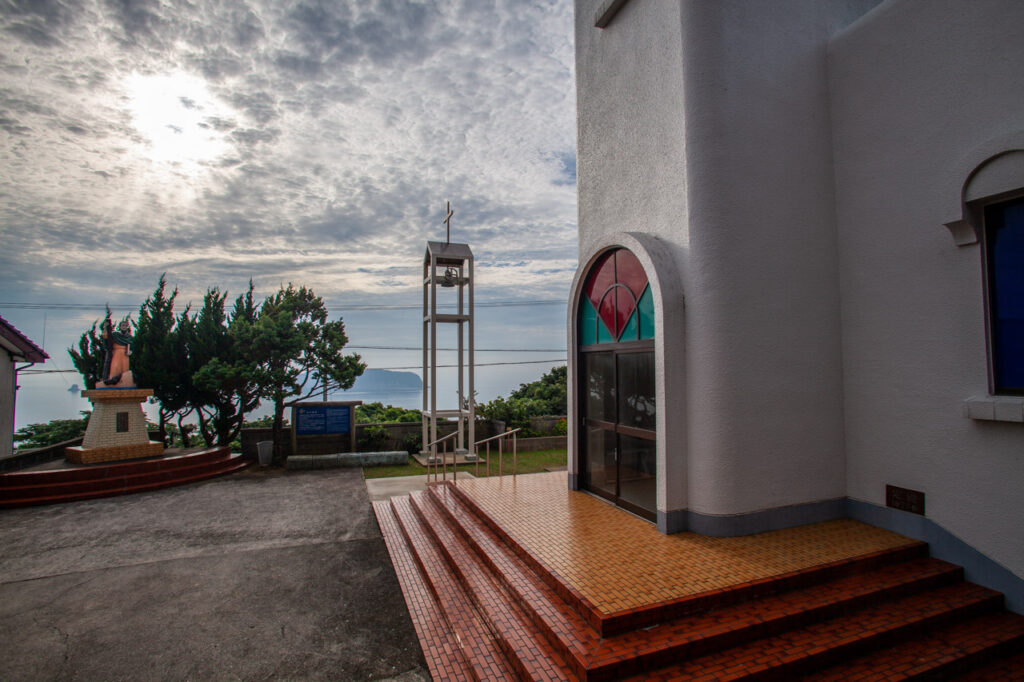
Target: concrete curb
348,459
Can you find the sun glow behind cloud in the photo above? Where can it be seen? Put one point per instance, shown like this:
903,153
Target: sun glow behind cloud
172,114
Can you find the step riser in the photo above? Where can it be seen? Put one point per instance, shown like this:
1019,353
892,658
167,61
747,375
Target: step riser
974,660
811,662
99,472
115,482
712,643
116,490
884,639
499,623
574,658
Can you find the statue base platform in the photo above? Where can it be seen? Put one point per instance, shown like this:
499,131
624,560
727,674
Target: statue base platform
117,428
117,453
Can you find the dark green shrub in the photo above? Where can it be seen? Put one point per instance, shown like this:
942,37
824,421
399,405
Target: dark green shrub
372,438
412,443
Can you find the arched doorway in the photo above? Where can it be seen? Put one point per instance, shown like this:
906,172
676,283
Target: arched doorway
616,384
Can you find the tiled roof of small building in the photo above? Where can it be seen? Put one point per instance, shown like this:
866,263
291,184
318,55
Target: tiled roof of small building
18,345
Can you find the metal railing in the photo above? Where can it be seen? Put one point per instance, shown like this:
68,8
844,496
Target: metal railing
501,438
433,457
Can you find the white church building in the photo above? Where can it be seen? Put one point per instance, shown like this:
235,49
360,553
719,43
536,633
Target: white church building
801,284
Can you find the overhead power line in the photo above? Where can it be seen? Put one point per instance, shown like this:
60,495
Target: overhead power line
352,307
483,364
478,364
477,350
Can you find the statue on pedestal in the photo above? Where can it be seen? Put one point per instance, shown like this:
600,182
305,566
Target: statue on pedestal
118,342
117,426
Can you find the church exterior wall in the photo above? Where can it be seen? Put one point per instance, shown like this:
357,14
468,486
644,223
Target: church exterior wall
800,169
919,99
705,125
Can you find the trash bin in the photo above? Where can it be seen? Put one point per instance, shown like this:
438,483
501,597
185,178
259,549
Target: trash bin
265,448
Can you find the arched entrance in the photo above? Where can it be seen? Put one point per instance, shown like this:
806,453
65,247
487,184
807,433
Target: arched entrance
616,384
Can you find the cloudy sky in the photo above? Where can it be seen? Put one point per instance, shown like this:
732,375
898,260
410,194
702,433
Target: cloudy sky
313,141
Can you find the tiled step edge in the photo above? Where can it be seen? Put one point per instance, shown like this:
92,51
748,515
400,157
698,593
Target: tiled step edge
482,654
801,651
126,479
564,627
92,472
231,465
948,651
442,653
608,625
523,644
1008,669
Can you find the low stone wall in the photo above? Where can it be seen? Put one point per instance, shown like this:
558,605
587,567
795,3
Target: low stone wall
250,437
348,459
545,425
23,459
320,445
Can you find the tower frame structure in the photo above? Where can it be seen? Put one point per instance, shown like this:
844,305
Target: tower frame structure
449,265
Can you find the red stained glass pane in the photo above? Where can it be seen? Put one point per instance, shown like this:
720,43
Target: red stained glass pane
607,313
630,272
602,276
625,309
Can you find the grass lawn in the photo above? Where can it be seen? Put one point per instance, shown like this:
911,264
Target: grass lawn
528,463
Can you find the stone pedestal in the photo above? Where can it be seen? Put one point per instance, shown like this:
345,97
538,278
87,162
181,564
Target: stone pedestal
117,428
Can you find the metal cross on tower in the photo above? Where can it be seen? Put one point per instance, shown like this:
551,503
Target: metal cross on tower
448,222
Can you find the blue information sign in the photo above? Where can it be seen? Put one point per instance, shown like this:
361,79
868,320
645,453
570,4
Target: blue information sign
319,420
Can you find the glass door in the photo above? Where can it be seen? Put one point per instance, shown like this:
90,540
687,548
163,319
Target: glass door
618,406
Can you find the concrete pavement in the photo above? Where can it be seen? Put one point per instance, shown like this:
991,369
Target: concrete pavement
259,575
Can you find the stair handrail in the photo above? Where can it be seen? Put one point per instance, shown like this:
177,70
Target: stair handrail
431,450
501,438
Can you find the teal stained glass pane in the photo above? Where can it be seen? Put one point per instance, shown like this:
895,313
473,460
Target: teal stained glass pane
629,331
645,308
588,321
588,316
603,335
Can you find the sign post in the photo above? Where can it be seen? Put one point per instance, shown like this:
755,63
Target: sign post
324,419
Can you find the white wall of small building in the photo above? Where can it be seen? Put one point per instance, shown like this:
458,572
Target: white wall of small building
7,389
919,96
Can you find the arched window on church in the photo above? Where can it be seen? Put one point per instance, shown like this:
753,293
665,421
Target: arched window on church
617,383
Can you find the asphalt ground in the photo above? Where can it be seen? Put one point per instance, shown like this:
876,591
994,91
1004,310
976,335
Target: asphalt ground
260,575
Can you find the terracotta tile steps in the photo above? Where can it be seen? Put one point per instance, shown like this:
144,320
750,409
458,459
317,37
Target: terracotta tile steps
22,489
484,609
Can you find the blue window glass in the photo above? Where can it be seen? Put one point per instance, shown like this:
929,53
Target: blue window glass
1004,252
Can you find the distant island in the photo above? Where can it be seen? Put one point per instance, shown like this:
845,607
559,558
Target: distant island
385,380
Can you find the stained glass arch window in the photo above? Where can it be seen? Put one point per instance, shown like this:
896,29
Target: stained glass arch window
617,305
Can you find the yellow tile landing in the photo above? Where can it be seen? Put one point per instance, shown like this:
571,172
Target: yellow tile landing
619,561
